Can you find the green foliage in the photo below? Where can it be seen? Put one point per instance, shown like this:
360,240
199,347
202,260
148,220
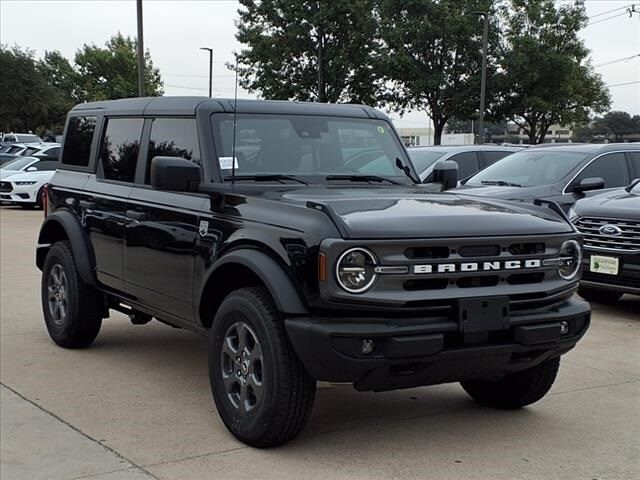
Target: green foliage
432,56
545,77
112,72
28,99
308,50
618,124
37,94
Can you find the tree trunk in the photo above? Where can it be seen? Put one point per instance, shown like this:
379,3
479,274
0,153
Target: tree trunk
438,127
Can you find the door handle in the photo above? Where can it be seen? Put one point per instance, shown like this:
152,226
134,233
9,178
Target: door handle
135,215
87,204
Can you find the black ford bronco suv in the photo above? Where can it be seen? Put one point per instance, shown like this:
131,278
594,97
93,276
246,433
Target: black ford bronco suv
297,238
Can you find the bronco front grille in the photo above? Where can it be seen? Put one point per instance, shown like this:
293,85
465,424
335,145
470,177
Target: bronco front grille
623,236
5,187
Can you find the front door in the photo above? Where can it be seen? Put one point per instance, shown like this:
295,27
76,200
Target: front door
162,235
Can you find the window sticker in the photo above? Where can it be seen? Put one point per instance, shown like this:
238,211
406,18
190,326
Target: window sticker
225,163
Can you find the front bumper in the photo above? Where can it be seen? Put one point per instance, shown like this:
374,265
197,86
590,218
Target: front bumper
20,194
413,352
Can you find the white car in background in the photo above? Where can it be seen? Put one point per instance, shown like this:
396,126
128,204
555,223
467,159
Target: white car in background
23,184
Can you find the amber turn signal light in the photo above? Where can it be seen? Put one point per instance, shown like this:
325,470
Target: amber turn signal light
322,267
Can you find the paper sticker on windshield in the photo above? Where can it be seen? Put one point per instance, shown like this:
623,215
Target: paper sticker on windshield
381,129
225,163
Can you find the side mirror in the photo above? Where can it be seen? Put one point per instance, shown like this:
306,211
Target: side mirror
31,169
446,173
588,184
174,174
632,185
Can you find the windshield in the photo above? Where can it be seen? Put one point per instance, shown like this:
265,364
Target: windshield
309,147
529,168
423,159
29,138
15,149
30,151
17,164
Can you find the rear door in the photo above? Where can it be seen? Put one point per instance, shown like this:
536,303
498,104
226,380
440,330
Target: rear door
104,209
163,230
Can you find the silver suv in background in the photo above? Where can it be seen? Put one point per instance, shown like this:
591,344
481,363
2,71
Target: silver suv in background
470,158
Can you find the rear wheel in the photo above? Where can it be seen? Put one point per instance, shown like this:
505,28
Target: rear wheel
262,391
72,309
516,390
599,296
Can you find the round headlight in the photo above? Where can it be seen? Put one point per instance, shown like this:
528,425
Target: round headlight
355,270
570,259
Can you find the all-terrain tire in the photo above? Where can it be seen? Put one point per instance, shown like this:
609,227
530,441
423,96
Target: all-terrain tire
278,393
72,309
608,297
517,389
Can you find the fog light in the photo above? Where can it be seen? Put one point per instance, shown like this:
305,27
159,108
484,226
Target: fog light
367,346
564,328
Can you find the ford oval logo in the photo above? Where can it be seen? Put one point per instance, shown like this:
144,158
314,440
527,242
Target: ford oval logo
610,230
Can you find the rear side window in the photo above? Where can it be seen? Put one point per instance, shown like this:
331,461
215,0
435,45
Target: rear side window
467,163
77,143
53,152
120,148
635,164
173,137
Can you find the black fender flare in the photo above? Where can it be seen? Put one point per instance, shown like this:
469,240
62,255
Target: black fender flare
81,248
280,286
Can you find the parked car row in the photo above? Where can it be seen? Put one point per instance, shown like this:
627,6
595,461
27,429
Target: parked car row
597,185
22,180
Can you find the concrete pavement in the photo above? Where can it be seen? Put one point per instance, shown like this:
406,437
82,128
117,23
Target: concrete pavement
137,405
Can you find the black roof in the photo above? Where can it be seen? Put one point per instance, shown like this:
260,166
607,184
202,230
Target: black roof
189,106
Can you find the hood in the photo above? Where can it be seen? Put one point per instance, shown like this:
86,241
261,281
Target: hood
614,204
409,212
31,176
8,173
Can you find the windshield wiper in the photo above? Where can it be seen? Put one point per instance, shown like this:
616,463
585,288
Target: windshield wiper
269,177
361,178
500,183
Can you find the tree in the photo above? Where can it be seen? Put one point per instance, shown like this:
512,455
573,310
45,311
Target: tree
431,56
28,100
617,124
545,77
112,72
308,50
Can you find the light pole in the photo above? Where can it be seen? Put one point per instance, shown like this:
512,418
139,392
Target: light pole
140,50
210,50
483,77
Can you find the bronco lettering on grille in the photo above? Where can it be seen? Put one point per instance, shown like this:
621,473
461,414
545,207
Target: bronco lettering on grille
476,266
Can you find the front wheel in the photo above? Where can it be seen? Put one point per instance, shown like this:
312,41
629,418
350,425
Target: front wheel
595,295
262,391
517,389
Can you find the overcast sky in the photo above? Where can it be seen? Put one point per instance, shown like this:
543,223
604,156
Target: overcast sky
174,31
